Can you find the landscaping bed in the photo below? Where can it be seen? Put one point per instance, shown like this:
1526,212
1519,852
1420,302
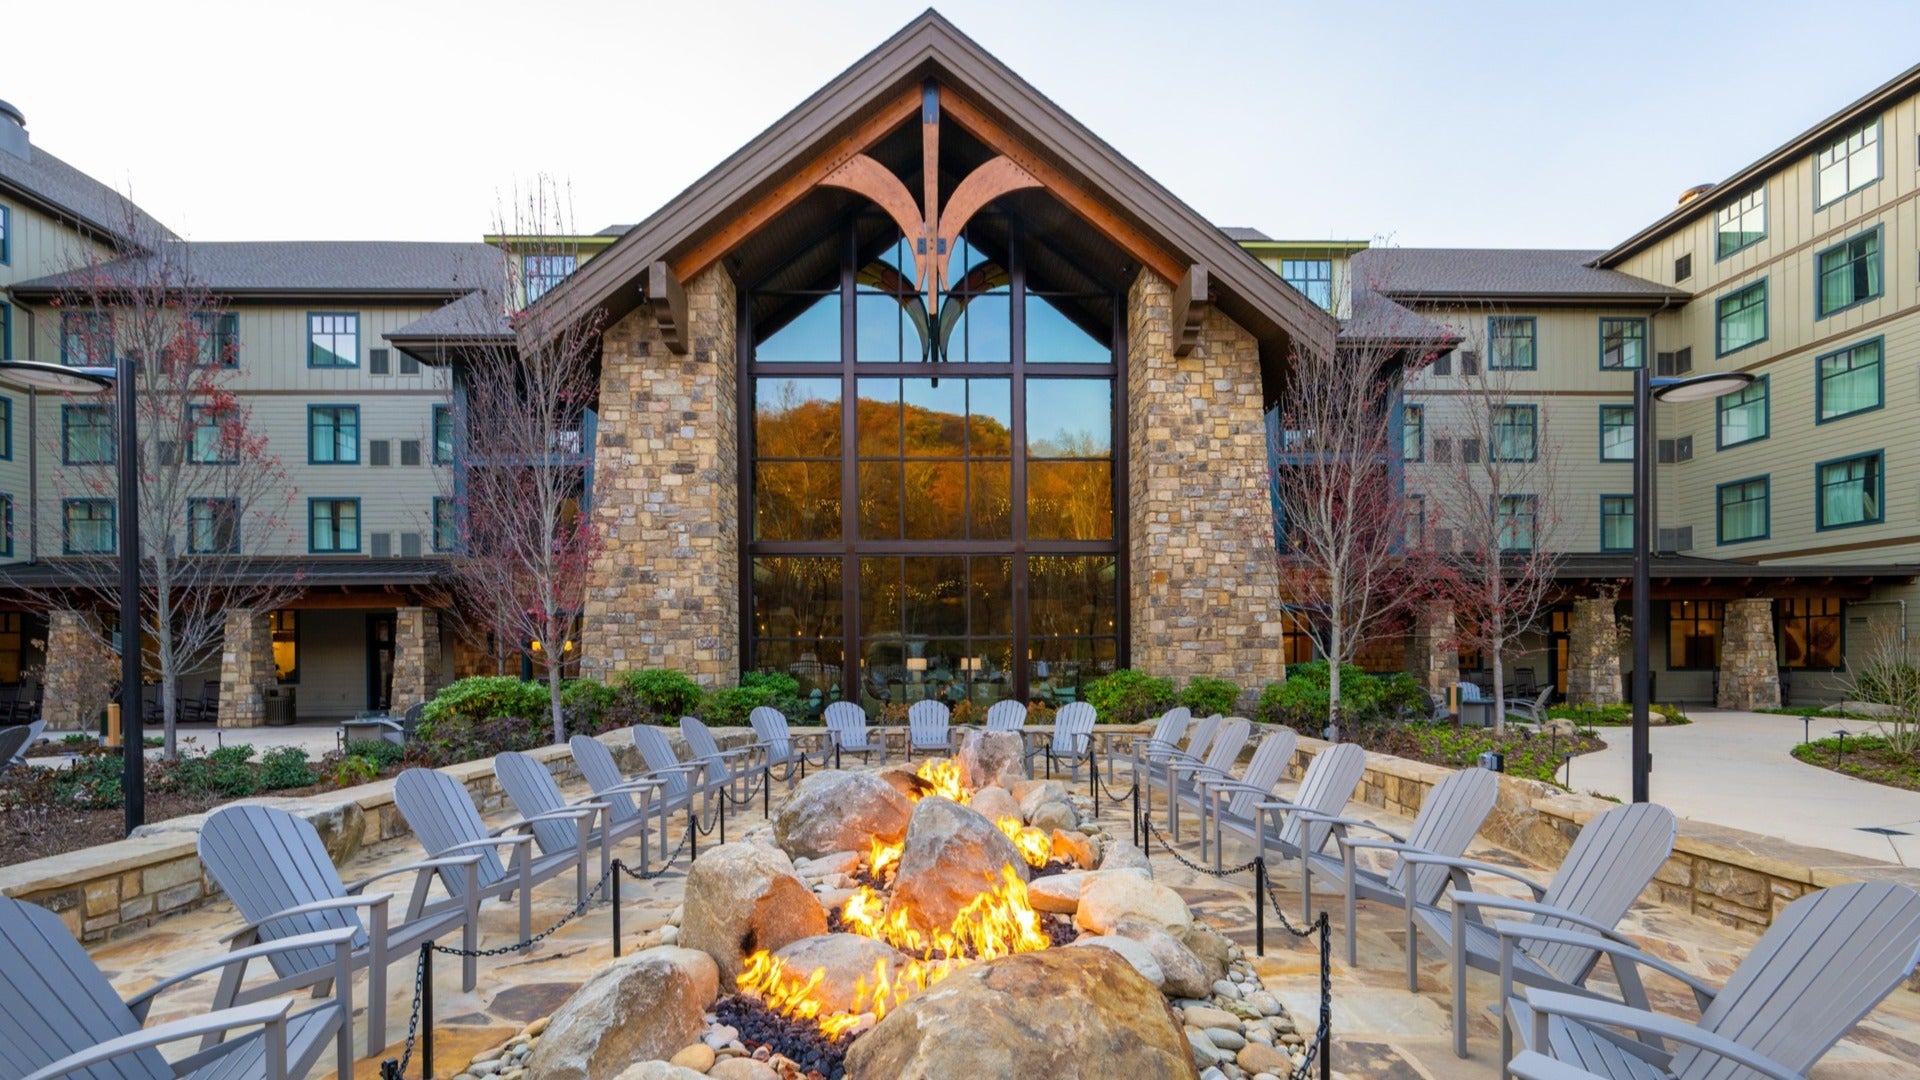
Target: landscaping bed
1531,755
1872,758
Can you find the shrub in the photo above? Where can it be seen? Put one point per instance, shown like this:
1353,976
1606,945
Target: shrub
1305,698
1206,696
285,767
734,705
1617,715
664,691
1128,696
353,770
482,697
379,751
582,701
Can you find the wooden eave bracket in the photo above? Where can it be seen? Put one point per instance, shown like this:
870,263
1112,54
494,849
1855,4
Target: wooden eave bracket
1190,302
667,301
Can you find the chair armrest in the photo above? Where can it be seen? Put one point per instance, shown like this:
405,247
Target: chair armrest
1528,1065
444,861
1588,1010
1276,803
1464,899
334,903
1194,767
259,1012
493,842
1383,845
685,766
1472,866
317,939
1351,823
569,813
1612,944
645,783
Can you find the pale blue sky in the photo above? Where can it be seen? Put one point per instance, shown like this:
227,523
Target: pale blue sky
1472,124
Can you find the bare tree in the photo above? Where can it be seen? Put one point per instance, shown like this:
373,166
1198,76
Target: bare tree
520,398
214,500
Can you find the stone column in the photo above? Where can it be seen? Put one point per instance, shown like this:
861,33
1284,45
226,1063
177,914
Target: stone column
665,589
79,669
1204,591
416,656
1593,653
246,669
1749,670
1432,656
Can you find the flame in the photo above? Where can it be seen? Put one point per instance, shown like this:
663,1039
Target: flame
1035,846
883,858
944,776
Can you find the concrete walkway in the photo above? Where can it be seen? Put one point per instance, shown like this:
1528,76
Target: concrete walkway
1736,769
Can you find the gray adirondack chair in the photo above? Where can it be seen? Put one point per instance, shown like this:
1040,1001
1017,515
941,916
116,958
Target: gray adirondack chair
732,769
847,727
927,728
1531,1066
1450,817
1071,740
275,869
445,821
538,800
1826,961
1610,862
1218,763
1211,791
1154,757
13,741
1284,825
1007,715
60,1017
613,788
782,747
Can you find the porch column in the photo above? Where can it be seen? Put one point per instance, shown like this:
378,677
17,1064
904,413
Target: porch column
1593,653
246,669
1432,656
1749,671
416,656
75,688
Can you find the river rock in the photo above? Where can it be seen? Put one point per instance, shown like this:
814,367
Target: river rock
698,1057
1135,953
1064,1014
994,803
1211,948
1032,793
658,1070
741,1068
1121,855
993,757
741,898
952,854
1106,898
846,959
1185,975
841,811
1058,893
1261,1058
647,1006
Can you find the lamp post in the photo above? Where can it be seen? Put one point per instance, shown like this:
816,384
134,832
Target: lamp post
34,375
1647,388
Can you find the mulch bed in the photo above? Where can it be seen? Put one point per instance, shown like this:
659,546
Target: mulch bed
1864,757
27,834
1530,755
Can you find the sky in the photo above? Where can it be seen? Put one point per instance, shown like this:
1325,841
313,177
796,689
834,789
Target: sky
1471,124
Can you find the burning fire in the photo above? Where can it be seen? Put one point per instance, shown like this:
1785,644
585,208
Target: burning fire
943,776
883,858
1035,846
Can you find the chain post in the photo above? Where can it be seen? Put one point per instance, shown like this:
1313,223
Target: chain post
426,1010
390,1070
766,790
1093,773
613,883
1260,906
1136,808
1326,995
693,829
723,816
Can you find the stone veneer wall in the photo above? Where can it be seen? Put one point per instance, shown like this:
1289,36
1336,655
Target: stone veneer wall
416,656
1749,667
1593,653
666,585
246,669
1204,591
78,669
1432,657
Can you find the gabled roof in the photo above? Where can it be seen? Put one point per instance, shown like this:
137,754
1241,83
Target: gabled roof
930,47
53,187
307,268
1378,321
1503,274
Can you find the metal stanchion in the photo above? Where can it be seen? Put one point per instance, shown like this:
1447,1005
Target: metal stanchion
693,830
766,790
1326,1012
614,878
426,1013
1136,808
1093,773
1260,906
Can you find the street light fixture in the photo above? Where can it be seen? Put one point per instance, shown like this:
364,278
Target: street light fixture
35,375
1646,390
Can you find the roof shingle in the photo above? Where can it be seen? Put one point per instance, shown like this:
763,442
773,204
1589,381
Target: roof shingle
1499,273
316,267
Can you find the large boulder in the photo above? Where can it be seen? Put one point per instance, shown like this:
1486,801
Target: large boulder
1121,855
1210,947
841,811
1110,896
993,757
1135,953
995,803
1032,793
647,1006
1060,893
741,898
1054,814
952,854
844,960
1185,974
1065,1014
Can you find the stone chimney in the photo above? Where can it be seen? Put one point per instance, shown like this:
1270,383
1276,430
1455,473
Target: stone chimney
13,133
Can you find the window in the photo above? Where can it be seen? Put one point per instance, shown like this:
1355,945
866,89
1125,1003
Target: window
284,626
445,532
1510,343
1743,513
210,446
86,339
543,272
1677,362
6,330
1515,431
1848,164
86,435
1810,632
1850,491
442,435
213,526
333,434
219,338
409,451
1616,433
1849,381
1416,535
333,525
1849,273
1519,516
6,522
1693,633
1413,433
1313,277
1683,267
6,428
87,526
1741,417
1623,344
1741,222
1616,523
1296,638
333,339
6,236
1740,319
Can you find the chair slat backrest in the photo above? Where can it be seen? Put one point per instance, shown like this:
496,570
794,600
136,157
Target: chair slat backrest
1172,725
848,722
1610,862
658,753
1203,732
1328,786
12,741
770,729
927,723
1826,961
1228,744
55,1002
441,814
1450,817
267,860
602,773
1008,715
704,749
533,792
1073,727
1269,764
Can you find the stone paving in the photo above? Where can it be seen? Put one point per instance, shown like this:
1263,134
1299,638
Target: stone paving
1380,1030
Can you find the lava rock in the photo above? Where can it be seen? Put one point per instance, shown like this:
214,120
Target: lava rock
846,959
741,898
952,854
1106,898
1135,953
841,811
646,1006
1065,1014
995,803
993,757
1185,975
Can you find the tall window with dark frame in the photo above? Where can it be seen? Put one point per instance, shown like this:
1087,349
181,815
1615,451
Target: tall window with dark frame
86,435
1849,273
333,339
87,527
1623,344
1851,491
1519,522
86,339
1510,343
1810,629
218,338
1616,433
211,443
1413,433
1516,432
333,526
1616,523
1745,510
333,434
1740,319
1741,417
1740,223
1849,381
213,526
542,272
1693,633
443,434
1313,277
1848,163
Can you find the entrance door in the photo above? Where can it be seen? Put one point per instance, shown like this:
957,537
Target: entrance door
1559,638
379,662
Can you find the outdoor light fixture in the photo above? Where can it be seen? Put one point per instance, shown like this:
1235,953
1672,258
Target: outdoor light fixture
1646,390
58,378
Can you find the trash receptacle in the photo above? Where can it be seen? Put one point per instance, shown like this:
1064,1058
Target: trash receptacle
1493,761
279,700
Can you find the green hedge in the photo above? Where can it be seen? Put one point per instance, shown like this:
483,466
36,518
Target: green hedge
1304,699
1206,696
1128,696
